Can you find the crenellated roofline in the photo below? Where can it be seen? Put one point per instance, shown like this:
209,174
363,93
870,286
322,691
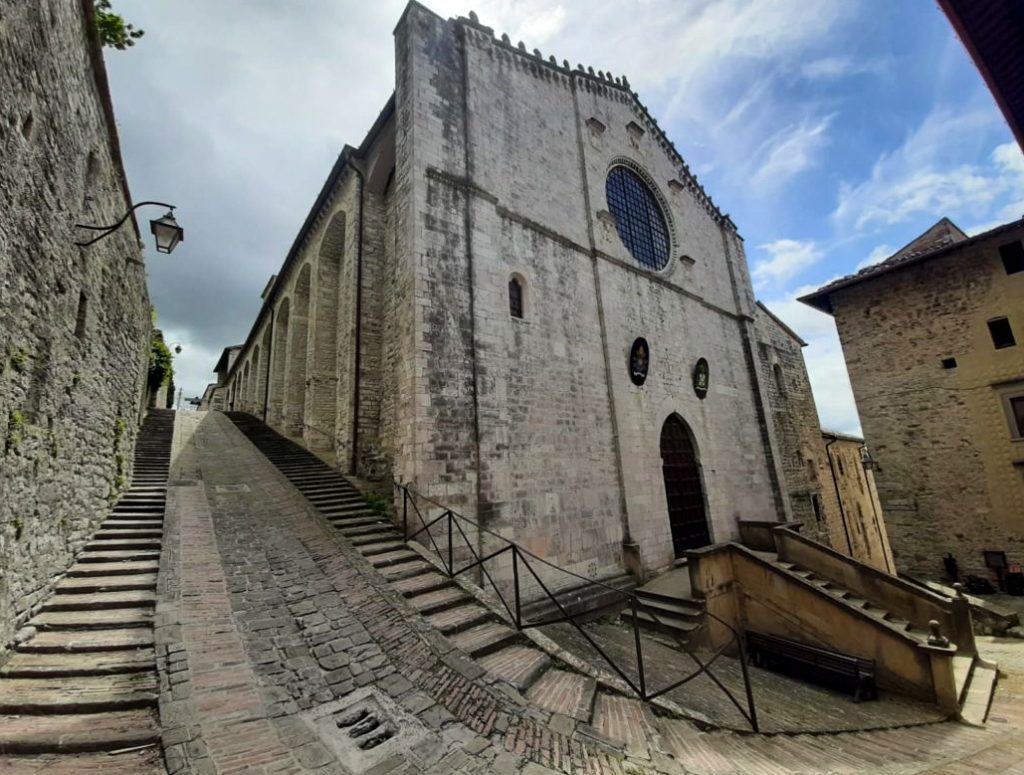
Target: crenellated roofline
599,82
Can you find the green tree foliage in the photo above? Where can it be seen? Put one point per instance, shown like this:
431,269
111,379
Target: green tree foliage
113,30
161,368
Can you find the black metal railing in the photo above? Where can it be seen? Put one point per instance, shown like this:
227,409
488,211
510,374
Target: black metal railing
448,524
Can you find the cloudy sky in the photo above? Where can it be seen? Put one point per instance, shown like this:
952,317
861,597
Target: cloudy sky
832,131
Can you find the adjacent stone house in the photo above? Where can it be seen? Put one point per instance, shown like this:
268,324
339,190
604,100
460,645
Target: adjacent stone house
74,321
930,337
516,297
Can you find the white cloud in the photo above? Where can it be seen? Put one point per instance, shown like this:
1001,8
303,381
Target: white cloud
787,258
880,253
917,179
792,151
835,67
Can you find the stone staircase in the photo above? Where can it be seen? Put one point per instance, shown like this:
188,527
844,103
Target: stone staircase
471,627
975,678
82,676
677,617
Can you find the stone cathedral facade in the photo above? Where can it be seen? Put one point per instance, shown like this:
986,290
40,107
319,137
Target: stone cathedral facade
516,297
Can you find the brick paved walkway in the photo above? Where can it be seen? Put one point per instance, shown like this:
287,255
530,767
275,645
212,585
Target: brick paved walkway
269,622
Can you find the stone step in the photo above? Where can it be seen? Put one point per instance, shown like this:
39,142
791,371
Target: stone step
118,555
57,665
153,544
439,600
484,638
357,519
137,533
678,608
334,497
119,583
377,537
564,692
97,601
76,641
341,510
82,694
662,622
141,508
75,733
113,568
980,690
427,582
460,618
150,518
93,620
405,570
332,487
518,665
133,524
381,547
396,557
354,530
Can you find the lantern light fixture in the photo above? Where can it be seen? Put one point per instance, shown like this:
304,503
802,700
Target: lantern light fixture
165,229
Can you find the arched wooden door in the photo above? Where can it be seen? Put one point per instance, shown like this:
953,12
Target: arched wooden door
683,491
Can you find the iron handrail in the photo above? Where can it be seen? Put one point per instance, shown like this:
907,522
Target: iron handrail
523,556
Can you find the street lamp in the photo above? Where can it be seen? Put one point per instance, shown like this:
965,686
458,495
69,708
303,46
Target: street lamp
165,229
869,463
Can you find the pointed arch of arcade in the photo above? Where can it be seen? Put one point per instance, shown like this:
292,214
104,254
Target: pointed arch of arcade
279,363
254,406
262,374
244,393
684,486
322,365
298,343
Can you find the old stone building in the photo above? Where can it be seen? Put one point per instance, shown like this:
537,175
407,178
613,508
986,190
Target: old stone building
831,491
515,296
930,340
74,321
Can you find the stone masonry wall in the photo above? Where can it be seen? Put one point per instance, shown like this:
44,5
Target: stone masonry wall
950,477
74,322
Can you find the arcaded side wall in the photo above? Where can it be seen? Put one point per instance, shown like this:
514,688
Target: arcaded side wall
74,322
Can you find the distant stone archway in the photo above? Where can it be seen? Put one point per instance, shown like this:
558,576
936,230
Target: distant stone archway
244,393
322,395
262,374
279,363
684,490
253,381
298,342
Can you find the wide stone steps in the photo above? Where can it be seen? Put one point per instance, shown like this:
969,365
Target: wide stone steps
425,582
118,583
564,692
75,641
439,600
84,679
463,617
54,664
517,665
83,694
76,733
484,638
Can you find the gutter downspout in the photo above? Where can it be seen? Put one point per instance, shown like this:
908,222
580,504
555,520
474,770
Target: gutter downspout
874,511
359,321
839,497
270,363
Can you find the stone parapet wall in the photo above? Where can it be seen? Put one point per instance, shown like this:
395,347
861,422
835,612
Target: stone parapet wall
74,322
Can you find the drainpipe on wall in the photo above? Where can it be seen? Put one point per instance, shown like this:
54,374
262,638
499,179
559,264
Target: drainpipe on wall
839,497
359,320
874,510
270,364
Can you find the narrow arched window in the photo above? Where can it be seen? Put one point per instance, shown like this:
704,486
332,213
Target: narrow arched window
515,298
780,380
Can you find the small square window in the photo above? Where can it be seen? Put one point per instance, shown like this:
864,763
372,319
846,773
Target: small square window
949,363
1002,334
1013,257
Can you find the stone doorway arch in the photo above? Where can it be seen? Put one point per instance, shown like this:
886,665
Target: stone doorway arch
684,489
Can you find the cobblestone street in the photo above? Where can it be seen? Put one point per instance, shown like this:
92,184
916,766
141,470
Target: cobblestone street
270,626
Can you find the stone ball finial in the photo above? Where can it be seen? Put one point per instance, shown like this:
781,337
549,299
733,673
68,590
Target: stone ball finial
580,68
536,53
566,65
959,589
522,46
590,70
505,38
625,82
552,60
935,636
473,17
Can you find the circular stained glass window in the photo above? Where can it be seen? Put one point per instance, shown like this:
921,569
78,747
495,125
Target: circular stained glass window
638,217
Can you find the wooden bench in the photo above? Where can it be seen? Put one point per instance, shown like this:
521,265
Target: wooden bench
803,661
